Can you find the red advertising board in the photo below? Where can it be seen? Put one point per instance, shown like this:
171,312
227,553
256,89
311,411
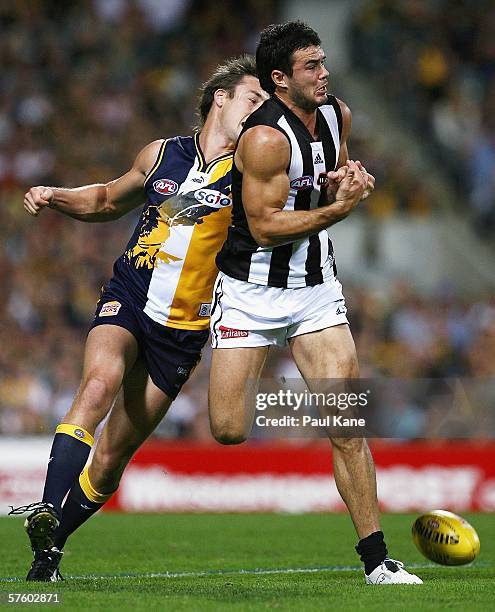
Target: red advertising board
257,477
298,478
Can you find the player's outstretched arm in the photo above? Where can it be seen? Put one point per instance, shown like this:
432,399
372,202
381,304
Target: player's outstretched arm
263,155
100,202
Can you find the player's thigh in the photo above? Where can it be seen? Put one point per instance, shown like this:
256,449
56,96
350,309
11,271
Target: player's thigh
234,377
326,354
110,351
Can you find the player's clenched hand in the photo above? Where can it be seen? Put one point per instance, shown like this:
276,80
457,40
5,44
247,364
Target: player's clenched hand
333,180
36,199
351,187
337,176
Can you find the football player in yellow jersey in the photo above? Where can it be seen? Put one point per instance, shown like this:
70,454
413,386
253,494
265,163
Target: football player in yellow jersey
152,319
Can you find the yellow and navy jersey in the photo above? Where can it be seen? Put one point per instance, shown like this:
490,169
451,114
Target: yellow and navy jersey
168,268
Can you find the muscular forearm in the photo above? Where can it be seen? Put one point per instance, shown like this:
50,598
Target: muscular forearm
89,203
286,226
99,202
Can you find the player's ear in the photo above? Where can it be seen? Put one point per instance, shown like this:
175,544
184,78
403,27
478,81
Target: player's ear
219,97
279,78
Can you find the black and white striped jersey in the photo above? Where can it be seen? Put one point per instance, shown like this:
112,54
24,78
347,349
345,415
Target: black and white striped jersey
304,262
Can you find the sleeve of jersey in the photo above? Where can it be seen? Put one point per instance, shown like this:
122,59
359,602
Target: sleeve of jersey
158,161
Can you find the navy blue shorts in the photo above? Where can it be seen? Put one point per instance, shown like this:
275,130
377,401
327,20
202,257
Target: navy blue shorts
170,354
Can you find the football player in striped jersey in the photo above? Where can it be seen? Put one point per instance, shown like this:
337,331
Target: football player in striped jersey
291,180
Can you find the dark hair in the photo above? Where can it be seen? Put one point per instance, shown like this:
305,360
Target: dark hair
276,46
226,76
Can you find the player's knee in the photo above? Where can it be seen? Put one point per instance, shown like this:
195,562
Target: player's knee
99,390
349,446
228,433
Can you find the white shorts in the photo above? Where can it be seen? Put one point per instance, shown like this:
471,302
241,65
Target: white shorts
246,315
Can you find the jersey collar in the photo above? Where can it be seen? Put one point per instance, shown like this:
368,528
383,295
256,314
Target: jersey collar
288,111
203,166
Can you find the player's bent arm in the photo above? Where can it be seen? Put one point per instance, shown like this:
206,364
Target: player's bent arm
262,156
100,202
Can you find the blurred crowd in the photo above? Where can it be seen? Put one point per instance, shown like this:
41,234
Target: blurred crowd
83,87
81,91
397,334
435,59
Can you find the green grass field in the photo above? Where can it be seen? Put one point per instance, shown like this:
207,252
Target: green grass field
242,562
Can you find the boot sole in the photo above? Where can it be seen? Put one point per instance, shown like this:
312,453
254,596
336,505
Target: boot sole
41,529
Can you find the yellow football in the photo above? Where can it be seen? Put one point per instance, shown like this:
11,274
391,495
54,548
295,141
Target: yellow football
446,538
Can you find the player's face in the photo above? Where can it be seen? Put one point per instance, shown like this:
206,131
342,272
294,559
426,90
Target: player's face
248,96
307,87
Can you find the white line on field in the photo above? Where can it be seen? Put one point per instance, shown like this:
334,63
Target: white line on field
243,572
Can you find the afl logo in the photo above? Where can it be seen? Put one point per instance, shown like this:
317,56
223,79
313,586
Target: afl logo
165,186
79,433
302,182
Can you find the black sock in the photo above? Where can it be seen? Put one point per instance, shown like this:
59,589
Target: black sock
76,511
70,451
372,551
82,502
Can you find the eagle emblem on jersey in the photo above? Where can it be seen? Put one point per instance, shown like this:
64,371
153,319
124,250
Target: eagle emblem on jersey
187,209
153,233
